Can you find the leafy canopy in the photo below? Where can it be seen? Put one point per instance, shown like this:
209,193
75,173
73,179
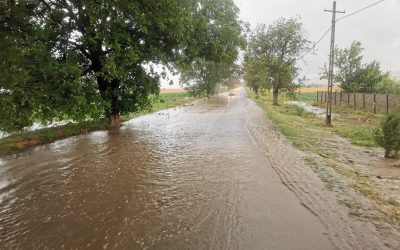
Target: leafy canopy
205,77
79,59
352,74
277,47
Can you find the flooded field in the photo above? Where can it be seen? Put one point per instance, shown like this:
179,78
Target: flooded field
190,178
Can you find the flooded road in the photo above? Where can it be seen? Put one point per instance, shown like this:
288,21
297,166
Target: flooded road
190,178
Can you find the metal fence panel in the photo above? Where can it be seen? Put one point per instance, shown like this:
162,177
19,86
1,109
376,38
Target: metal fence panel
394,102
375,103
381,107
359,99
369,102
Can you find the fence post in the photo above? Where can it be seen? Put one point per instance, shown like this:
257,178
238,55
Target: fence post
340,103
364,102
325,96
387,103
355,101
348,100
374,103
317,96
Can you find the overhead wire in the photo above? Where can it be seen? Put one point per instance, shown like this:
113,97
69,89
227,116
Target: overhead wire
337,20
360,10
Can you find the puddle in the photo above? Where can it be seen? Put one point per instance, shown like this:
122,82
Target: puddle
320,112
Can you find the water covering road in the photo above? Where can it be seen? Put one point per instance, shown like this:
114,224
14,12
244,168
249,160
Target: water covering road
190,178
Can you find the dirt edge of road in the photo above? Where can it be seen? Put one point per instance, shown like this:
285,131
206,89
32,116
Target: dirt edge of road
338,187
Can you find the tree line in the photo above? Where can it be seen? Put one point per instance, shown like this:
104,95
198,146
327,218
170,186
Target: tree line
354,75
274,51
272,56
84,59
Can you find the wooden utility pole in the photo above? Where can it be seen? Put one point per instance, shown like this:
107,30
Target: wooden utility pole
331,63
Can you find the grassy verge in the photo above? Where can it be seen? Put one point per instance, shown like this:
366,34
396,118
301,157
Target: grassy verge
309,133
23,140
356,126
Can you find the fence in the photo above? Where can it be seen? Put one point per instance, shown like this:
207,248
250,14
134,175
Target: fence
375,103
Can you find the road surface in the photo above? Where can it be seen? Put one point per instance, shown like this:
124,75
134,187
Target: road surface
189,178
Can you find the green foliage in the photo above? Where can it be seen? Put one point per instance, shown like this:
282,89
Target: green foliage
91,58
388,86
388,136
205,77
256,74
352,74
273,53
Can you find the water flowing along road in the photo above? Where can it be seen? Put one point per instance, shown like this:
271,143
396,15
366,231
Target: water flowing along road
190,178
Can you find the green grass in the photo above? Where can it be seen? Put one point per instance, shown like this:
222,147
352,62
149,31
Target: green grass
307,97
291,121
355,125
23,140
361,135
294,122
308,133
170,100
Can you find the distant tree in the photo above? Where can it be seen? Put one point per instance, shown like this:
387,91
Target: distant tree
388,86
352,74
256,75
205,77
232,83
79,59
279,47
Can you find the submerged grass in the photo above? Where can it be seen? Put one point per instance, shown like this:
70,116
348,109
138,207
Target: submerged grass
22,140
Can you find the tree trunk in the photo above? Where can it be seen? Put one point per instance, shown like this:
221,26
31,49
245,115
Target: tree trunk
275,94
255,89
115,120
114,117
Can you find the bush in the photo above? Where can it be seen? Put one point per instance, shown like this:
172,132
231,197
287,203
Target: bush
388,136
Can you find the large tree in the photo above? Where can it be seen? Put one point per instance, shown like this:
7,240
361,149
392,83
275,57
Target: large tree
354,75
204,77
279,47
81,58
256,75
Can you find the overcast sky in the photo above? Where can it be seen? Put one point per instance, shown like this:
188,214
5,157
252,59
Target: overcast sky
378,28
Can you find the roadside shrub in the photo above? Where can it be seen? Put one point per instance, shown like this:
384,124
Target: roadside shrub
388,136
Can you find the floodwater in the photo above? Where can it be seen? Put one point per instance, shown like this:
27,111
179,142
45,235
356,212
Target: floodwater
320,112
190,178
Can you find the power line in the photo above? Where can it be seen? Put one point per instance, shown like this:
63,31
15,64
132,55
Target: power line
316,43
327,32
360,10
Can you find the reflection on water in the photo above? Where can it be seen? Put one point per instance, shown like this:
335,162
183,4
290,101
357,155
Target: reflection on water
185,178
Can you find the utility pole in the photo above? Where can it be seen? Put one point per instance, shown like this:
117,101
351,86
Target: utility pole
331,63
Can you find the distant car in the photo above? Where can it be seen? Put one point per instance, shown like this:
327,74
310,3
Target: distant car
231,93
